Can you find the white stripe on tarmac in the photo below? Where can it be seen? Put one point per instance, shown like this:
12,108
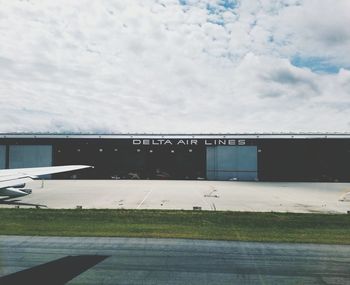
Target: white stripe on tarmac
144,199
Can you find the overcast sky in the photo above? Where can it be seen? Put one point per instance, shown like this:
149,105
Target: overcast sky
170,66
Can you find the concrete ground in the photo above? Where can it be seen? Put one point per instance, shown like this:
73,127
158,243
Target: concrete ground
209,195
176,261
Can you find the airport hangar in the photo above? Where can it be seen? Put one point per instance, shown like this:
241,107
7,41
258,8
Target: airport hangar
242,157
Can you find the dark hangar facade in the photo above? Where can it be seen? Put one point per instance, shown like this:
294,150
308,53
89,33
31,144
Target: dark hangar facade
242,157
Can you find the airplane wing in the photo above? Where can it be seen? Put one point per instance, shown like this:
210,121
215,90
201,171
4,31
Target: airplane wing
15,177
34,172
11,183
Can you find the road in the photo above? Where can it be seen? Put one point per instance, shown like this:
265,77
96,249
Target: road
178,261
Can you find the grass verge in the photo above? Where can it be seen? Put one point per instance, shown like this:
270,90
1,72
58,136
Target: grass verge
243,226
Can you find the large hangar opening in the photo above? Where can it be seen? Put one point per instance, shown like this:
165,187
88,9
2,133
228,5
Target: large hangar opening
124,160
21,156
313,160
232,163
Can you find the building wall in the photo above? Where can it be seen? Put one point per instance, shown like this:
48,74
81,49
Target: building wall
294,160
21,156
2,156
232,163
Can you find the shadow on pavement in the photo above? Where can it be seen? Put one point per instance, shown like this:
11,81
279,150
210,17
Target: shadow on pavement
8,201
56,272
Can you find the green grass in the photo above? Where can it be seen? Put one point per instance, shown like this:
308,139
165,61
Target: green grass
244,226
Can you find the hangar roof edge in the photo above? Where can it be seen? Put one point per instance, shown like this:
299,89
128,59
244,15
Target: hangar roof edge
180,136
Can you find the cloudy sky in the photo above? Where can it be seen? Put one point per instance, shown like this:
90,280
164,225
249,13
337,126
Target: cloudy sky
175,66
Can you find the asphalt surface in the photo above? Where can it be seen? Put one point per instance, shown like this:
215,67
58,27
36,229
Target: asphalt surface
209,195
176,261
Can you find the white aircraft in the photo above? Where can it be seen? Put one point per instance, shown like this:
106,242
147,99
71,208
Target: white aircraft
12,181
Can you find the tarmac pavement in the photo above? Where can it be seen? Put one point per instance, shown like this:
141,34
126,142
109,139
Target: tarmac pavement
177,261
209,195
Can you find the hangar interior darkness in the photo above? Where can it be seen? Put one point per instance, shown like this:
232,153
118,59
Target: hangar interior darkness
124,161
324,160
312,159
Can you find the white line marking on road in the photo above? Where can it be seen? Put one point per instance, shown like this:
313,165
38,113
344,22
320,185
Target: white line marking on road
144,199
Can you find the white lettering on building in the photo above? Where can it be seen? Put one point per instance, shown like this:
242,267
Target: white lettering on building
187,142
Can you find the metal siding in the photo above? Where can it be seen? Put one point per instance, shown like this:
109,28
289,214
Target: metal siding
211,163
229,162
30,156
247,158
227,158
2,156
184,136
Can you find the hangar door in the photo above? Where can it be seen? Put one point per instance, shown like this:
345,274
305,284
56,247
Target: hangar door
21,156
2,156
232,163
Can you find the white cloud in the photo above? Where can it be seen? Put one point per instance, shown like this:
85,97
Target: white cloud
160,66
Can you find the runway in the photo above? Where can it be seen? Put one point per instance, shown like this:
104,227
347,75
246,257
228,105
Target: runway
177,261
208,195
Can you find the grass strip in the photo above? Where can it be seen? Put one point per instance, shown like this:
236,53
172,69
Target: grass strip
242,226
